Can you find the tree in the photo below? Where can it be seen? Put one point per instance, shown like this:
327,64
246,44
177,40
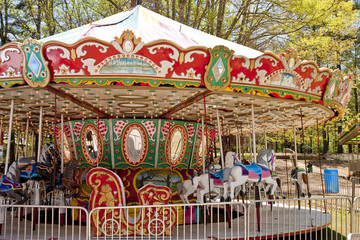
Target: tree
4,22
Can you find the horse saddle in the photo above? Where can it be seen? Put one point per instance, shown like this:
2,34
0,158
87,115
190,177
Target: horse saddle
25,162
295,172
253,167
216,174
29,172
220,176
6,184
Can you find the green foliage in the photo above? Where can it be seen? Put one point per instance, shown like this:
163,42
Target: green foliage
324,31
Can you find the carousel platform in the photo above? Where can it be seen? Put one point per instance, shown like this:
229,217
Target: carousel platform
281,221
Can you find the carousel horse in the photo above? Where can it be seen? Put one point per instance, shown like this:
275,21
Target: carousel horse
218,182
299,177
10,185
66,180
42,170
38,176
187,188
268,157
255,172
36,191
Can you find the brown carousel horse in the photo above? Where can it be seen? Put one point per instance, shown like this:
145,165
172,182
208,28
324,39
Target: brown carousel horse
66,180
300,177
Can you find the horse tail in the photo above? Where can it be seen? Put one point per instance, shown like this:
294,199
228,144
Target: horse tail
278,181
305,178
180,188
230,178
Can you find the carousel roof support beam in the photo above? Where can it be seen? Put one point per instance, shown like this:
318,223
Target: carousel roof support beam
253,130
9,136
237,141
40,134
26,136
83,104
32,142
245,113
203,142
184,104
242,157
250,147
295,146
17,140
220,139
62,143
265,138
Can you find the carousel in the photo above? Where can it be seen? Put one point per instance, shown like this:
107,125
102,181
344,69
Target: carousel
137,103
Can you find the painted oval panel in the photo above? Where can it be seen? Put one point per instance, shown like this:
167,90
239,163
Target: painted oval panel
91,144
68,153
202,142
134,144
175,145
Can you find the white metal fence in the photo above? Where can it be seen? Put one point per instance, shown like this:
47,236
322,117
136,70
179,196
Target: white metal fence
306,218
329,185
43,222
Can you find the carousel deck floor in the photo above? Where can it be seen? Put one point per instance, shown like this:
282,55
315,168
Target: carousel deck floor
281,221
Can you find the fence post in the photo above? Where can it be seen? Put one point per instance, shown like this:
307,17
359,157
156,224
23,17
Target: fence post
352,206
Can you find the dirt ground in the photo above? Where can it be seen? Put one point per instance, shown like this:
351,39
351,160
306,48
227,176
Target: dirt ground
341,166
284,167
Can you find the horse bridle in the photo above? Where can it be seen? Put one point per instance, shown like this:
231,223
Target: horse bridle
50,153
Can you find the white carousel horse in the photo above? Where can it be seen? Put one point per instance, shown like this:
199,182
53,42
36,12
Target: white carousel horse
255,172
268,157
203,185
299,177
187,188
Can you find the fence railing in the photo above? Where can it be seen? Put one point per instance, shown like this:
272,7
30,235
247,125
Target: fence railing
308,218
333,185
43,222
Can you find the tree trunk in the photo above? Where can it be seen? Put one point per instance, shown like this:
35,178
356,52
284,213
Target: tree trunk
220,18
167,8
340,148
12,148
4,24
188,12
356,102
36,145
325,143
182,10
133,3
157,6
173,13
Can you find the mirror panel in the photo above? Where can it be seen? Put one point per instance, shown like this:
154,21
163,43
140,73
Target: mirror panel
134,144
176,145
91,144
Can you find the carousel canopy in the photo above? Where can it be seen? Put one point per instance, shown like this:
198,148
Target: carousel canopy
151,27
352,136
138,64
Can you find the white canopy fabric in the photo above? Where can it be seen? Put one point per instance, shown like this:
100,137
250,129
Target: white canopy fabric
150,26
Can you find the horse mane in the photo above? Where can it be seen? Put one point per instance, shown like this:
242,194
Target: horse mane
13,173
259,159
44,154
